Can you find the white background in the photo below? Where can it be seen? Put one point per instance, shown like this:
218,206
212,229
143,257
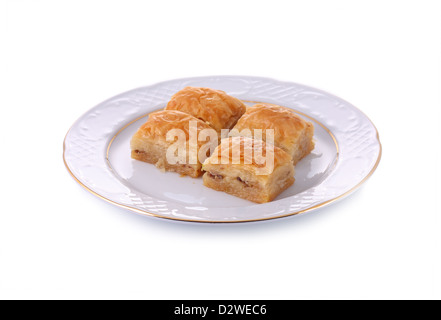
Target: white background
60,58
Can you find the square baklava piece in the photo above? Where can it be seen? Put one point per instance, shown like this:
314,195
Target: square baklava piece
215,107
291,133
248,168
165,141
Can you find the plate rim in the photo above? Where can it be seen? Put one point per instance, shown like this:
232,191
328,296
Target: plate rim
294,213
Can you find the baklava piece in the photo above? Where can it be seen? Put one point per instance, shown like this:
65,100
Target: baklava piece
177,153
237,167
291,132
214,107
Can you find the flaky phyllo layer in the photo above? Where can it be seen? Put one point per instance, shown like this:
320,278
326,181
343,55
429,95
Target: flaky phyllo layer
234,168
169,140
290,132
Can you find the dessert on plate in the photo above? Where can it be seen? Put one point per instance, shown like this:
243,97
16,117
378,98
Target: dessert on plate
291,132
167,141
255,161
248,168
215,107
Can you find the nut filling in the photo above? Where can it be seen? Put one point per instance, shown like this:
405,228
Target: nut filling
244,182
215,176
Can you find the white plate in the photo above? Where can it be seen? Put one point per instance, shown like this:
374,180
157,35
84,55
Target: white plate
97,153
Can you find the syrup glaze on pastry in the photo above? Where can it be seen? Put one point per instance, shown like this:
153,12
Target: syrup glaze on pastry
245,176
149,144
214,107
291,132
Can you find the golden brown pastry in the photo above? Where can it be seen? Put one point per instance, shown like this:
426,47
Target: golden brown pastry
180,153
235,168
291,133
215,107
